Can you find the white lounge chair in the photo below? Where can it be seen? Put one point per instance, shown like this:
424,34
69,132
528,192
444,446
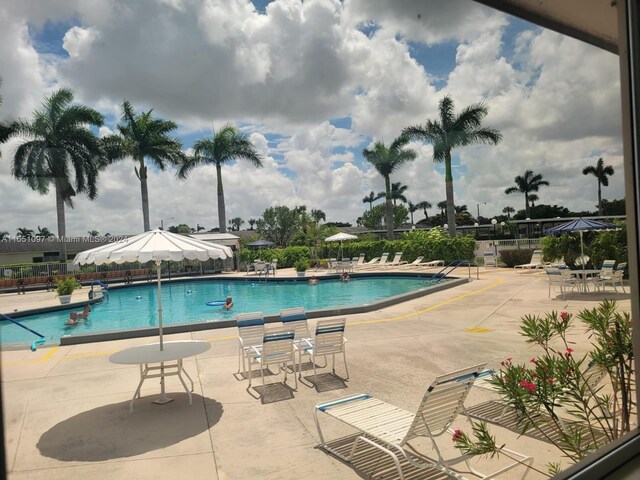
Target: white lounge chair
365,265
396,260
329,340
277,349
536,261
375,264
490,259
250,333
390,429
416,262
433,263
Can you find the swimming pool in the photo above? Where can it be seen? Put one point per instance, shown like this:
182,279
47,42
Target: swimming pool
185,302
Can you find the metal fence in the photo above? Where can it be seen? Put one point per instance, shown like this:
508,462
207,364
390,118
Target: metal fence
508,244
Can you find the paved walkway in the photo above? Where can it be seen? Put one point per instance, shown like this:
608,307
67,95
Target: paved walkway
67,416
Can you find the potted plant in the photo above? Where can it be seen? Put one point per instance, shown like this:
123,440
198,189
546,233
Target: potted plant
301,266
64,289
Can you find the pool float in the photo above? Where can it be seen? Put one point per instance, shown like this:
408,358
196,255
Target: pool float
216,303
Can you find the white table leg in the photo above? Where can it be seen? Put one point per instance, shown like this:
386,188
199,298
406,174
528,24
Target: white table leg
163,396
143,373
180,369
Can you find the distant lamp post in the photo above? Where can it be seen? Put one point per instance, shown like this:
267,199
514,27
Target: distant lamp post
494,223
446,227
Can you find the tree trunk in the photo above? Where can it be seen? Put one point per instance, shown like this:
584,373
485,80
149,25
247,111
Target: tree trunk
145,195
526,206
599,198
411,213
222,216
389,209
448,182
62,230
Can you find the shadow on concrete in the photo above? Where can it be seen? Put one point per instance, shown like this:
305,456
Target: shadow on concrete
110,431
272,392
326,382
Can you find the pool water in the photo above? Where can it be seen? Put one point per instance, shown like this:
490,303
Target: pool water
185,302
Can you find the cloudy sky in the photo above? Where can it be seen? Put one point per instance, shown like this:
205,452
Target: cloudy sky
313,84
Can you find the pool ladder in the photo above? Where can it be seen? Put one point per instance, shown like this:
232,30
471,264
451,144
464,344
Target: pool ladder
35,343
452,266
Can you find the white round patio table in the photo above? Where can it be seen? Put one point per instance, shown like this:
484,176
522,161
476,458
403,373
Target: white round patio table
146,355
583,276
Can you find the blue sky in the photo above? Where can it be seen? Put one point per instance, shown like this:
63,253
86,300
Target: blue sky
313,83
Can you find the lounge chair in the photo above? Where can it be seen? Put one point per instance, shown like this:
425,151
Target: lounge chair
329,340
536,261
416,262
396,260
432,263
390,429
371,264
357,261
277,349
250,333
490,259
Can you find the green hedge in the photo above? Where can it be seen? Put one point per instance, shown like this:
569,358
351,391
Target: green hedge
432,245
511,258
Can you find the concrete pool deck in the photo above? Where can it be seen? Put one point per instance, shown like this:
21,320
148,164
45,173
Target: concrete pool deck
66,408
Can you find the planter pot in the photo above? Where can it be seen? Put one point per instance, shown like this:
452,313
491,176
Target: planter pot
64,299
301,274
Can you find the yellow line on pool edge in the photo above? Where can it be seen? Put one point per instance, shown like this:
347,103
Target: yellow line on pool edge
498,282
432,307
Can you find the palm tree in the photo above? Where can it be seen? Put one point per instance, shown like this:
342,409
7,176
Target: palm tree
601,173
461,209
141,136
224,146
386,161
443,208
424,205
318,215
4,235
59,141
372,197
236,223
508,211
527,184
533,198
43,232
412,209
450,132
397,192
24,232
252,222
93,233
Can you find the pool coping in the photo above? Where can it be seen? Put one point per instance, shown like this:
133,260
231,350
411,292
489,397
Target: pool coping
212,324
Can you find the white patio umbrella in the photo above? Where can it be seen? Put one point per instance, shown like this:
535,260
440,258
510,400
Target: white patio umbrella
340,237
156,246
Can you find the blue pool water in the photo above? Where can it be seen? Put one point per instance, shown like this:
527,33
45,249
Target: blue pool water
185,302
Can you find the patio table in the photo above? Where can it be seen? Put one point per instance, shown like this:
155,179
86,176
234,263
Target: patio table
146,355
583,275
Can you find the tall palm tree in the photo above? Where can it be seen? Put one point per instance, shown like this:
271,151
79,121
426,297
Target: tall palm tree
527,184
236,223
59,142
372,197
318,215
386,161
508,211
24,232
424,205
412,209
93,233
4,235
533,198
225,145
141,136
252,222
601,173
449,132
460,208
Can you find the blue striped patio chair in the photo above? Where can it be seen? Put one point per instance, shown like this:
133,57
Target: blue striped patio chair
329,340
250,333
276,349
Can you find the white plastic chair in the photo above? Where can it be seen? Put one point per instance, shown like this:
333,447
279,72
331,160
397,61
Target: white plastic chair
329,340
250,333
536,261
390,429
277,349
614,278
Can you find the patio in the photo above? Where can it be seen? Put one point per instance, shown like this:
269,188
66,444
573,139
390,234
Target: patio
67,408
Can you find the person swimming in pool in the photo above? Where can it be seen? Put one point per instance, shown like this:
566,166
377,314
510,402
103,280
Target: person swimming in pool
313,281
345,277
75,317
228,303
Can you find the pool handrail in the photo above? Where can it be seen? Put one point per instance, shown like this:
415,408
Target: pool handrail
35,343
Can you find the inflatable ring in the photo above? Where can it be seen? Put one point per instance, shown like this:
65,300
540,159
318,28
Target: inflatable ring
216,303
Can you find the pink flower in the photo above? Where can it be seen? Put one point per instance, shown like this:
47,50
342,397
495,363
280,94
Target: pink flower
564,316
534,360
534,375
551,380
456,434
527,385
569,352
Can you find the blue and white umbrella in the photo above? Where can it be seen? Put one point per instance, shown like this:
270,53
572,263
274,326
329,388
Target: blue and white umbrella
580,225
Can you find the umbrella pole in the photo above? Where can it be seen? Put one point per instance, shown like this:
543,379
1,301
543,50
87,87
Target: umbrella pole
163,396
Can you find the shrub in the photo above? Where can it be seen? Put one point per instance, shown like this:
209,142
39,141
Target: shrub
286,257
301,265
66,286
511,258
